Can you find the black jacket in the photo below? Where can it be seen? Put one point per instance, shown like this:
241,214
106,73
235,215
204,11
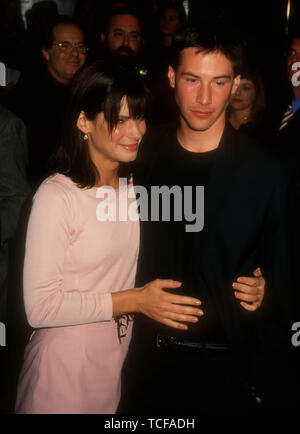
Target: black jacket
288,140
13,189
251,219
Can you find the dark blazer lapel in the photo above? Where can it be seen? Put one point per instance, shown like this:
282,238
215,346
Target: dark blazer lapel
292,124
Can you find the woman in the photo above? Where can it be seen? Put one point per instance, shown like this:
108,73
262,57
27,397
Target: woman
247,105
79,266
170,18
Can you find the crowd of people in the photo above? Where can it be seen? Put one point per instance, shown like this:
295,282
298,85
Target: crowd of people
109,103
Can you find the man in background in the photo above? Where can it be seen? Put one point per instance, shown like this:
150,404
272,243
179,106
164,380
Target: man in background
40,96
288,136
123,34
13,191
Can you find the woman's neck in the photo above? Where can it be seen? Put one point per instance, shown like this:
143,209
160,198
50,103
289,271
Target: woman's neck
108,174
166,40
239,117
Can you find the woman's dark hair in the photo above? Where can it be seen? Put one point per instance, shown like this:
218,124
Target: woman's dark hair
96,88
153,26
259,104
178,7
251,73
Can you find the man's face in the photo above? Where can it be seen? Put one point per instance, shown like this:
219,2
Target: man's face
124,36
64,62
203,84
293,56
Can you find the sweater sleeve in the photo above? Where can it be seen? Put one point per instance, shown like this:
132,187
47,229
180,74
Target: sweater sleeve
50,232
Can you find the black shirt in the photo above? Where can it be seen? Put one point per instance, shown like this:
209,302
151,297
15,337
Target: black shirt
170,250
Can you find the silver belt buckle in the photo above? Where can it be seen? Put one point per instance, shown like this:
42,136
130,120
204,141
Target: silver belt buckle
158,340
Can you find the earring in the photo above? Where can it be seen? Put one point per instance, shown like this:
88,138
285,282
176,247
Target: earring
85,137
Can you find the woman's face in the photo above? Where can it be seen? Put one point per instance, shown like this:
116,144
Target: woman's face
170,22
245,95
120,145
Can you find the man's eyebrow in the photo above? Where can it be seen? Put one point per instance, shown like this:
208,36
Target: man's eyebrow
117,29
228,77
218,77
190,74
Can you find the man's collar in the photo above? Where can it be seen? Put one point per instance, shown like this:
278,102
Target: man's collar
228,135
295,104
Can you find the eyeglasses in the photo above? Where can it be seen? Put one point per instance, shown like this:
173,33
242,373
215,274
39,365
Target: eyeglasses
67,47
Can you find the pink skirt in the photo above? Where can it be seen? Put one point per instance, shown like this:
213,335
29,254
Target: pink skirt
73,370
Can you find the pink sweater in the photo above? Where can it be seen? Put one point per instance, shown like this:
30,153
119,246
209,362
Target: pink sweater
73,263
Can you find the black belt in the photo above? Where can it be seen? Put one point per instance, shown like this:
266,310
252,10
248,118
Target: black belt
171,343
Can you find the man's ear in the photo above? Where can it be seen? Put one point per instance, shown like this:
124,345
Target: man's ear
82,123
236,83
45,54
102,37
171,76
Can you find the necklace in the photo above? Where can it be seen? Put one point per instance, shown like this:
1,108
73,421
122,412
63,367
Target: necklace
243,120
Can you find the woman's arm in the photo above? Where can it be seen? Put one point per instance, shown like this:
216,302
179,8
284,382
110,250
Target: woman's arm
48,304
160,305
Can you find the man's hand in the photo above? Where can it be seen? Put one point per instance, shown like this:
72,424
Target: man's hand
166,308
250,290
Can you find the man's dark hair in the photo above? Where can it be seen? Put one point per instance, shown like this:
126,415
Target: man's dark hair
97,87
295,34
49,36
122,11
207,40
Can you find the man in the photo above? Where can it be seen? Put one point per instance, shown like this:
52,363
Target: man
65,52
122,35
13,190
40,97
289,128
229,357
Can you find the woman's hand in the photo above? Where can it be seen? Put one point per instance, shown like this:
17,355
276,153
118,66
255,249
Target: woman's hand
166,308
250,290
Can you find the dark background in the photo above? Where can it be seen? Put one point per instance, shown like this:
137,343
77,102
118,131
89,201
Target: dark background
262,28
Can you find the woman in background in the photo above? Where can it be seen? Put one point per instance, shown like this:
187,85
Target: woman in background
247,106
